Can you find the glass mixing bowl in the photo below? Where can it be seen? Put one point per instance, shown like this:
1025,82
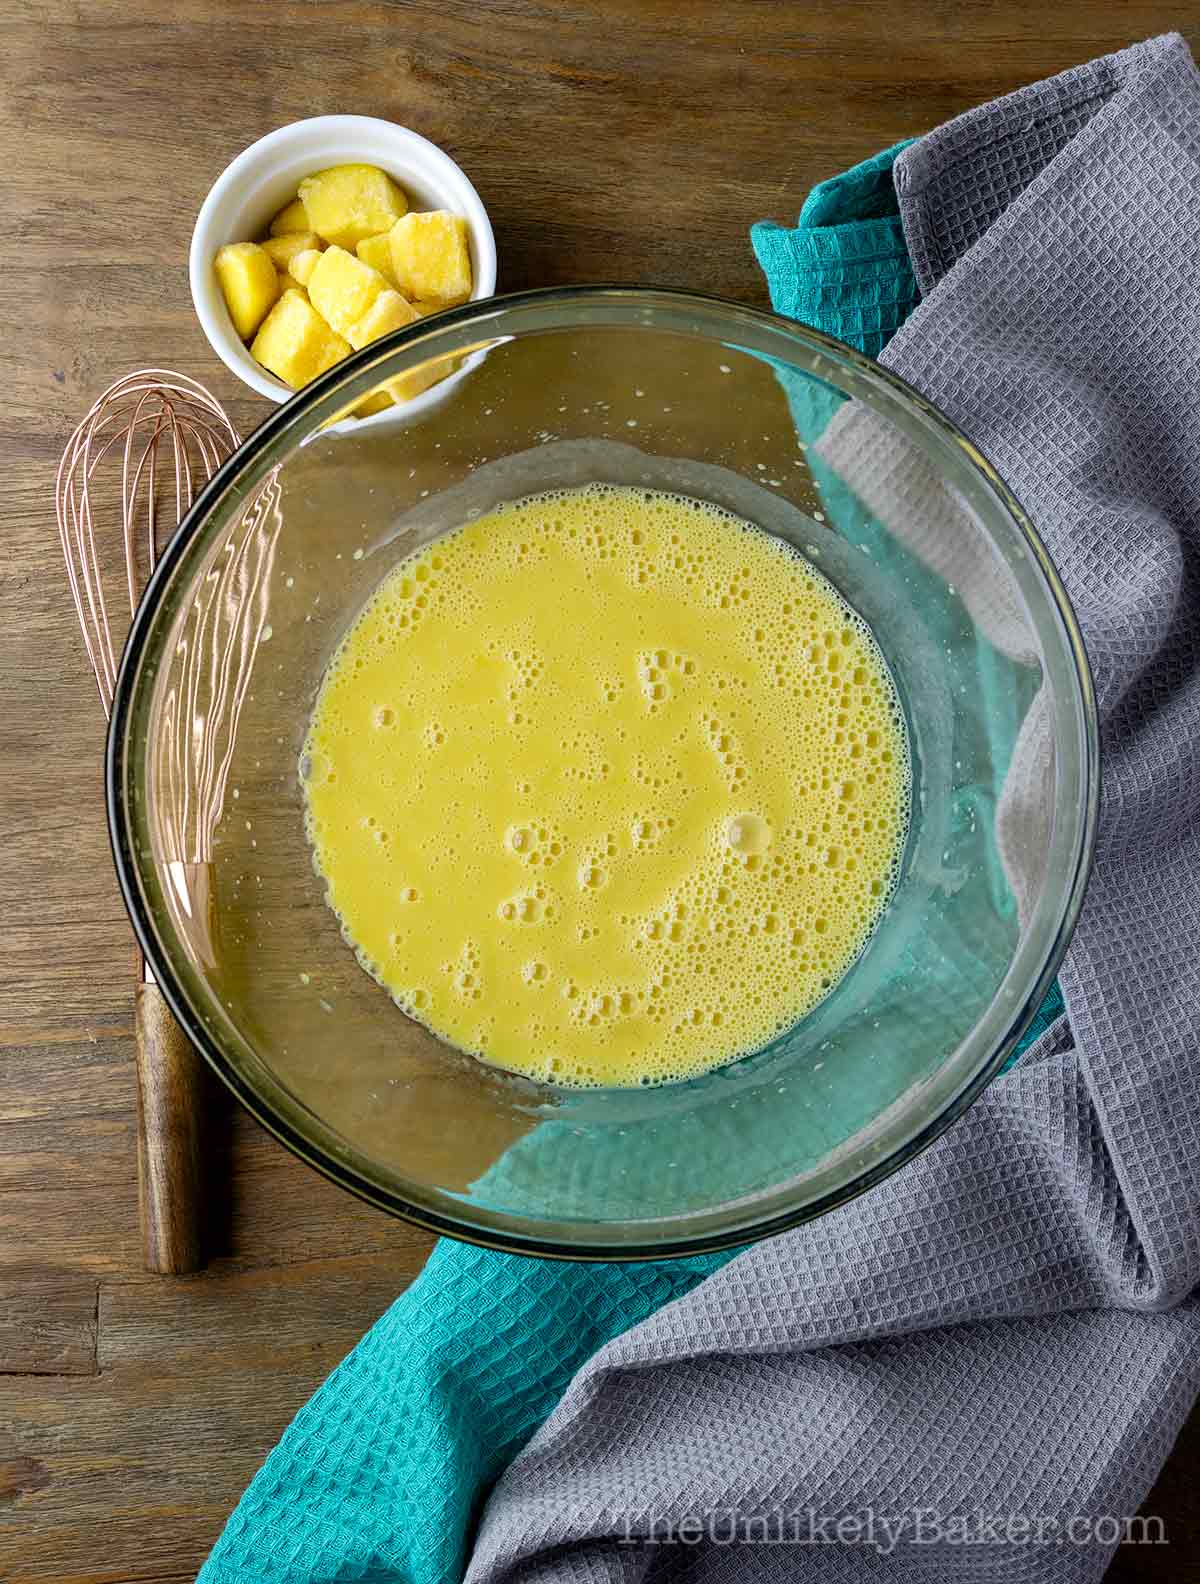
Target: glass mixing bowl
791,431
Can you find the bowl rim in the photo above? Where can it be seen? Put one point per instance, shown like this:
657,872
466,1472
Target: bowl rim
379,138
507,1239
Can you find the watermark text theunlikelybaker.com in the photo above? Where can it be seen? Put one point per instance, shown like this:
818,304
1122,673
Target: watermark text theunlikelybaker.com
883,1532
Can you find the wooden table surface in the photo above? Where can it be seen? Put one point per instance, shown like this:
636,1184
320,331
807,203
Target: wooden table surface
618,139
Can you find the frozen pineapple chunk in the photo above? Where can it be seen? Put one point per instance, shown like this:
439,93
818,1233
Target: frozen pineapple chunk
349,202
378,401
284,248
292,217
389,311
377,252
246,275
342,288
302,264
405,386
289,283
295,342
431,259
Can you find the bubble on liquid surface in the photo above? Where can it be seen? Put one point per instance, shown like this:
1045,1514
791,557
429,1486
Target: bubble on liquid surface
749,835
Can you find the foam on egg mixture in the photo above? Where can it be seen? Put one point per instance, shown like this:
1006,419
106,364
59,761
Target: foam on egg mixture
607,787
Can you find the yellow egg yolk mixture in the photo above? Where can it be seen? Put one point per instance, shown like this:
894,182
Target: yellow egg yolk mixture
607,786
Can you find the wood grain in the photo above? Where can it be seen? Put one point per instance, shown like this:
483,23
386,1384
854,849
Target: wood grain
48,1324
197,1378
610,139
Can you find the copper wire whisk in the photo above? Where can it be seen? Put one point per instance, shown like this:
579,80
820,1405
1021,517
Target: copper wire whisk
131,470
148,411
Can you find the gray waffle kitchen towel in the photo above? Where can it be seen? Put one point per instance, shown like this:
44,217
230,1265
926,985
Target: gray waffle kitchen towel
970,1373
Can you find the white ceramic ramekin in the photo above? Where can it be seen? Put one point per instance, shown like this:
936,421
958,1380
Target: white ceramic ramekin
265,176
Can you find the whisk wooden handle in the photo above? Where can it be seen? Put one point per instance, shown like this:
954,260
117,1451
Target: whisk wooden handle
171,1089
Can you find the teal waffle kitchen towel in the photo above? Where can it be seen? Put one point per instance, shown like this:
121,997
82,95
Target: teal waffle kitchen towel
383,1472
844,268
